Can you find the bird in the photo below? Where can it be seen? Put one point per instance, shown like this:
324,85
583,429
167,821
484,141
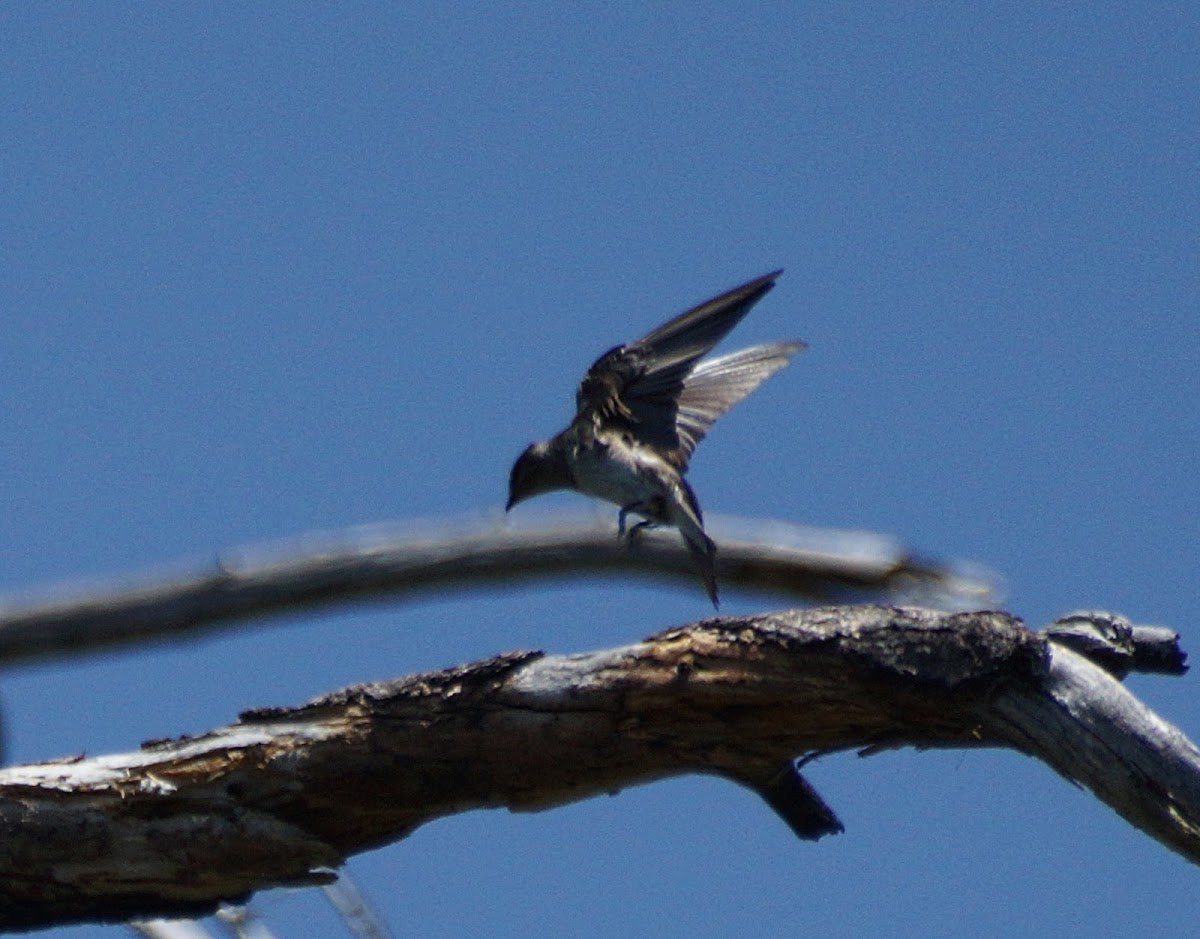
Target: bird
640,411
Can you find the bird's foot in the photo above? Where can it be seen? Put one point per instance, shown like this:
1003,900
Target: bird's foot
630,535
624,513
636,530
625,510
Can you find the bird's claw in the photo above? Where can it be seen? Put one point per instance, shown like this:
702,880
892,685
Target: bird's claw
632,533
636,530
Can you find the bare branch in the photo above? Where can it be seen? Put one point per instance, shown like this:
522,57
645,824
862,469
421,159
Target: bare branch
383,561
286,794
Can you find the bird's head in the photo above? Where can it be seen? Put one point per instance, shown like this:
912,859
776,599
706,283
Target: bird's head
541,468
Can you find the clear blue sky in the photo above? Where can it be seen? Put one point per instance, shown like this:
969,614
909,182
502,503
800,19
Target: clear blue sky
271,269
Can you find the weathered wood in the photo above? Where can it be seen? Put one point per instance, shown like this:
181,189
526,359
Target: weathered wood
285,794
382,562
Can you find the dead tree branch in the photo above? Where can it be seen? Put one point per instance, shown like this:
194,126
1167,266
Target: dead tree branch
384,561
285,794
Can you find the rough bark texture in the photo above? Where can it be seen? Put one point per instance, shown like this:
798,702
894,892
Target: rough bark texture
285,794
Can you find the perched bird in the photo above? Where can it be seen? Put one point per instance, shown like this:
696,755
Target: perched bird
640,411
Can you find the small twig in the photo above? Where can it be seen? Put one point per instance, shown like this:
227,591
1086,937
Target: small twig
169,929
359,916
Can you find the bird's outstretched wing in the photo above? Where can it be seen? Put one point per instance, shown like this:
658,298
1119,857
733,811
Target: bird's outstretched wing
654,387
693,334
717,385
639,383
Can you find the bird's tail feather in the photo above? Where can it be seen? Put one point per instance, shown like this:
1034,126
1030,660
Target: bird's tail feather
704,551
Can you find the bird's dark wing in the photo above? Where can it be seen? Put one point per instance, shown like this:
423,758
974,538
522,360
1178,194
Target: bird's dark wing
717,385
638,384
692,334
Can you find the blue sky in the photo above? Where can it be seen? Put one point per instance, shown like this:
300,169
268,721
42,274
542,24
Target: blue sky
269,269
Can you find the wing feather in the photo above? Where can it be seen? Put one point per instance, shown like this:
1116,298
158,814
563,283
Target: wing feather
651,371
717,385
657,388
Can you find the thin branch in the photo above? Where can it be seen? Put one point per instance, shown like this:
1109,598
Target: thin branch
359,915
169,929
384,561
286,794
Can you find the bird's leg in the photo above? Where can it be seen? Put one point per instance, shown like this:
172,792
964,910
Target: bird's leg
625,510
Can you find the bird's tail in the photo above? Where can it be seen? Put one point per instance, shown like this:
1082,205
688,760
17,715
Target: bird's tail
705,553
684,512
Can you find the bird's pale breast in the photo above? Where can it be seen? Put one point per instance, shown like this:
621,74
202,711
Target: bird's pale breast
619,473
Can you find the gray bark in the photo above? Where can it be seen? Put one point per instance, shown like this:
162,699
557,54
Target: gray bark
286,794
383,562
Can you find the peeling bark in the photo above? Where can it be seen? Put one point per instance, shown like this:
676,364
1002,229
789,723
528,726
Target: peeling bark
285,794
